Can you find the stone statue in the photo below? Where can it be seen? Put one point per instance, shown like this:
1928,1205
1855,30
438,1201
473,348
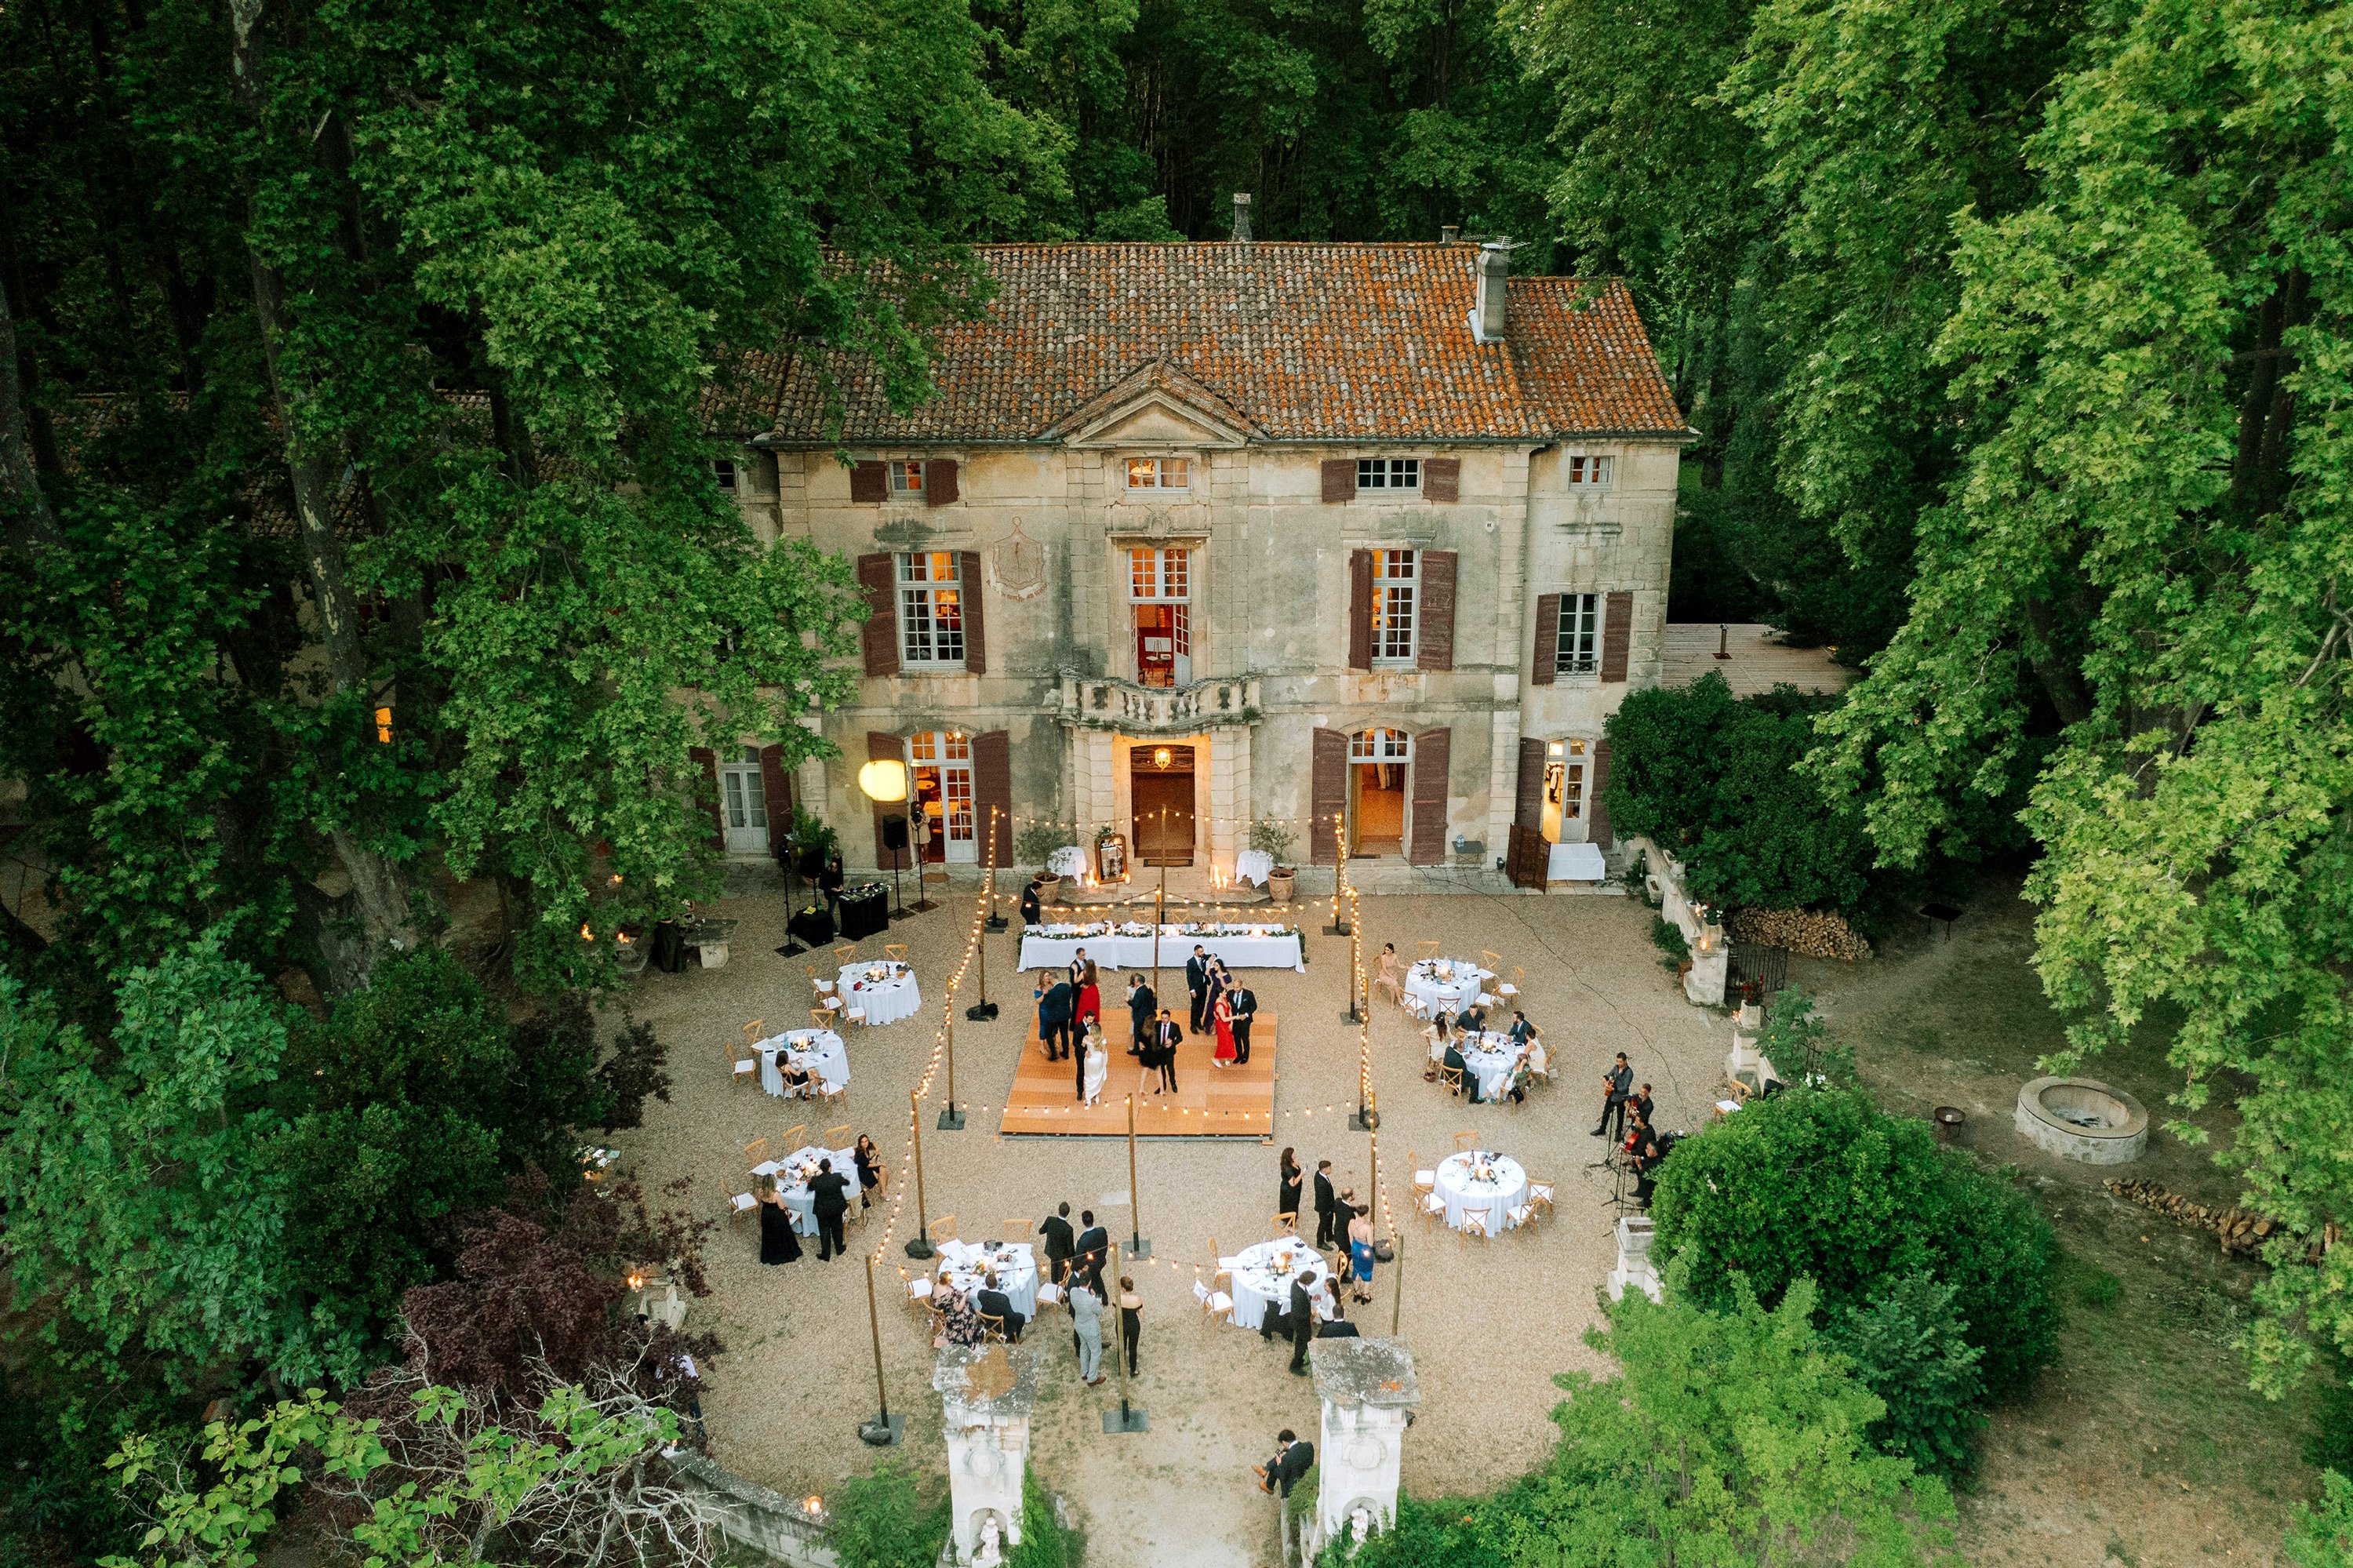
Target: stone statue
985,1552
1360,1525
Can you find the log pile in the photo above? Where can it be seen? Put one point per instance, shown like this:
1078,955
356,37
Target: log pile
2242,1232
1814,933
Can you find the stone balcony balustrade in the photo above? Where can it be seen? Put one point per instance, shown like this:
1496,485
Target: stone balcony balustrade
1099,702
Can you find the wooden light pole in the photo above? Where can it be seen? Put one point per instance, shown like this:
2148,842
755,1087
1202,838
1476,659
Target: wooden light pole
883,1428
920,1243
951,1119
1127,1418
1137,1245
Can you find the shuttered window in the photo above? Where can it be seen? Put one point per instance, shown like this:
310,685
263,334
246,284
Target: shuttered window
931,610
1577,645
1397,593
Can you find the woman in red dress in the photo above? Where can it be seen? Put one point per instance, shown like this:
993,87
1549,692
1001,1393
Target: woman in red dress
1225,1016
1090,998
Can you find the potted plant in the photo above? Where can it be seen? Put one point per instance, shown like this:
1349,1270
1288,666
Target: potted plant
810,842
1033,845
1273,837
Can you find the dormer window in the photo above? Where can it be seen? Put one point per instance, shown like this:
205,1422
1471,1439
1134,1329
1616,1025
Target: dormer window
1589,472
1159,473
1388,474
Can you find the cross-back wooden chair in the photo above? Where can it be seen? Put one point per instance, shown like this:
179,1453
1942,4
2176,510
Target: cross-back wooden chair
1427,950
1491,963
746,1069
1452,1079
847,953
1018,1230
895,951
755,1032
992,1327
1466,1139
755,1153
945,1228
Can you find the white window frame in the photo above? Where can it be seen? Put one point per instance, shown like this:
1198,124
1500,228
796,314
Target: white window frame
929,640
1391,476
905,477
1586,470
1577,646
948,753
1380,744
1397,608
1157,475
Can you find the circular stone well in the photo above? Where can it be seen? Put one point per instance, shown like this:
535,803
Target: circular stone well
2083,1119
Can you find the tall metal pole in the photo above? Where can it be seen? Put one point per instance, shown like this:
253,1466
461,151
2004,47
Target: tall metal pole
1137,1245
882,1431
920,1245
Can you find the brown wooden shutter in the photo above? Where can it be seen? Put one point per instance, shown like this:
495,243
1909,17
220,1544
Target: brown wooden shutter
881,747
975,624
1434,647
709,761
1432,750
939,482
1328,797
777,786
1547,655
1597,815
1527,808
992,788
868,482
877,579
1360,609
1442,479
1617,632
1339,479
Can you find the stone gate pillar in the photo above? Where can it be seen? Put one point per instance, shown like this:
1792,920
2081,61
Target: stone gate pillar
1369,1389
986,1393
1634,1265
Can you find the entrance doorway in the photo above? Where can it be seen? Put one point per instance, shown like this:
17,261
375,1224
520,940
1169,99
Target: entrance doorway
1160,795
1564,791
1376,764
743,802
941,764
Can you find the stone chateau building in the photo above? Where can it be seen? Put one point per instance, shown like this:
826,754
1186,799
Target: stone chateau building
1360,538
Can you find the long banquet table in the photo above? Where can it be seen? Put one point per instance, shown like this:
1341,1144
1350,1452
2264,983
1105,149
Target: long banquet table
1130,947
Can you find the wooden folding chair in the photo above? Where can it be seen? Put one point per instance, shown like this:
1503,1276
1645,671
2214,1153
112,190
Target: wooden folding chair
755,1032
1214,1304
992,1327
1430,1206
1018,1230
919,1290
1284,1224
847,953
832,1094
747,1069
1540,1194
1423,1180
1491,963
1467,1139
945,1228
793,1136
1427,950
823,1017
839,1136
741,1206
895,951
1478,1224
755,1153
1510,990
1452,1079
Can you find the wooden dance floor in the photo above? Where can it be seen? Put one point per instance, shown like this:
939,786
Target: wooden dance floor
1210,1102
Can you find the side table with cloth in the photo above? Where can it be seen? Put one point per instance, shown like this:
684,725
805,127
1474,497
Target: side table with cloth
1251,866
1129,946
886,991
792,1174
819,1050
1068,861
1261,1277
1576,863
1493,1060
1454,989
962,1262
1504,1188
865,910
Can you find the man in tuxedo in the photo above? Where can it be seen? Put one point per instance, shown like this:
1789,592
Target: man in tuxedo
996,1303
1522,1030
1029,909
1056,1002
1327,1207
1055,1232
1167,1039
1303,1320
829,1198
1244,1002
1094,1246
1615,1086
1292,1460
1078,968
1455,1063
1142,1008
1197,982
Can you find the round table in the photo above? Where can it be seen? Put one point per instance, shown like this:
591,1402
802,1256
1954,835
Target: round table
800,1202
1491,1062
887,999
1505,1189
1454,991
1261,1277
963,1263
819,1050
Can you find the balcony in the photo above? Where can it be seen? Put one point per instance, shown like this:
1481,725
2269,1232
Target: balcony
1092,703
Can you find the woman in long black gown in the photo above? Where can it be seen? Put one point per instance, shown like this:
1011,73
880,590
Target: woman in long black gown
777,1243
1294,1179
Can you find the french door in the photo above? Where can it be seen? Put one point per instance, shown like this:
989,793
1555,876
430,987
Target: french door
744,803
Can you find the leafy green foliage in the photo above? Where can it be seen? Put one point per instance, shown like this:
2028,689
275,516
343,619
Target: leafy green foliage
887,1518
1816,1184
1909,1347
1715,781
1045,1543
1668,938
2322,1535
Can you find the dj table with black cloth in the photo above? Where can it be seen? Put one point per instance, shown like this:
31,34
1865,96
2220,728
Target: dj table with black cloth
864,911
814,926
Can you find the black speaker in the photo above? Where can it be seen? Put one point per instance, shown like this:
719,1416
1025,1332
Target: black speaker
894,833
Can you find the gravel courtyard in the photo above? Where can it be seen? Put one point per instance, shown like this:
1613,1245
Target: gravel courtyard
1489,1324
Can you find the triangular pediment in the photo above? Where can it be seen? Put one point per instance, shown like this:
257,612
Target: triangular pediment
1157,405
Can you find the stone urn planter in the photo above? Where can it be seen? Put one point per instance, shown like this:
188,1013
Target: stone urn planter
1049,889
629,949
1281,882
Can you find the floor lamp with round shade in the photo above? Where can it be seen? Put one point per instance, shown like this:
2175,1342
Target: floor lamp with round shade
884,782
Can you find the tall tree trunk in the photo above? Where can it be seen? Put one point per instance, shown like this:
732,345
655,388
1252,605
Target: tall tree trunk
30,522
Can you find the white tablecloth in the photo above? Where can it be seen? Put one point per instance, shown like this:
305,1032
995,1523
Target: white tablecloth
1493,1060
962,1263
1422,983
1068,861
886,1000
1130,947
800,1202
1576,863
820,1050
1507,1190
1261,1278
1251,866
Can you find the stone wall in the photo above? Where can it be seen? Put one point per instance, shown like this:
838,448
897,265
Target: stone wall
755,1518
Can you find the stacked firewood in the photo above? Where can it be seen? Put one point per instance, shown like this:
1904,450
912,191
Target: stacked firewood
2243,1231
1812,933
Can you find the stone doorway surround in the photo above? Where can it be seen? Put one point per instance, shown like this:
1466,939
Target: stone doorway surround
1107,718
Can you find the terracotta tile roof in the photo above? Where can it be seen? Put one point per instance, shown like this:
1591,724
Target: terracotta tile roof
1299,342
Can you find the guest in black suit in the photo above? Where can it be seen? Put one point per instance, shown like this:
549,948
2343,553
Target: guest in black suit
1522,1030
830,1194
1303,1321
1327,1207
1055,1230
1339,1327
1244,1002
1474,1019
1292,1460
1197,982
1029,910
1165,1047
1056,1000
1455,1062
1617,1086
996,1303
1094,1246
1142,1008
830,881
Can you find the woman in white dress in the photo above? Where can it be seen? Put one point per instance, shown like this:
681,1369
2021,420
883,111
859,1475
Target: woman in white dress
1098,1065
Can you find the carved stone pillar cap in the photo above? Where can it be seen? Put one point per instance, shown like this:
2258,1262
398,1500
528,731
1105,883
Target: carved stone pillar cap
1361,1371
988,1379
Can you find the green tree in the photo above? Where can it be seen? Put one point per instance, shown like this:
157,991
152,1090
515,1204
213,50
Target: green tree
2322,1535
1909,1345
1818,1185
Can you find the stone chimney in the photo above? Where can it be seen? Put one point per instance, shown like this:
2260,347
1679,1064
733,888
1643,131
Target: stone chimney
1241,217
1448,232
1487,310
